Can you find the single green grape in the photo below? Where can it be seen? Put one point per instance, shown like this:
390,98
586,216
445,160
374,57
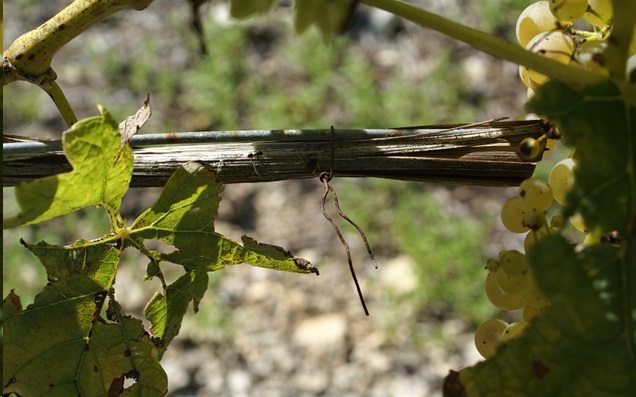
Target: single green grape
513,330
578,222
512,284
512,215
488,337
561,179
535,19
557,46
534,218
526,80
535,193
492,265
533,296
536,235
604,9
589,55
568,10
530,312
499,298
529,148
514,263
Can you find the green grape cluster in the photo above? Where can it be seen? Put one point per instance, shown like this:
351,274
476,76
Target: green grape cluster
547,28
554,29
510,284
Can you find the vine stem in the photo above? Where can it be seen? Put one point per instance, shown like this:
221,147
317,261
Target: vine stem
495,46
58,97
29,57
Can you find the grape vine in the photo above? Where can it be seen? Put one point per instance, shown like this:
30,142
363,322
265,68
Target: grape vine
524,281
574,290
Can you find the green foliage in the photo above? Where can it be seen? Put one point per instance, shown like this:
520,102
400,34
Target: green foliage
65,321
93,149
584,344
588,335
247,8
102,348
606,171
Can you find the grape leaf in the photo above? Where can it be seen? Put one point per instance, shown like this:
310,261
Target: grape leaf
166,311
273,257
247,8
602,127
584,344
183,217
101,174
65,321
331,17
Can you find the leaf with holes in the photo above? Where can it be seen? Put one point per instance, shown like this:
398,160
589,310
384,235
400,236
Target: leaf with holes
67,321
183,217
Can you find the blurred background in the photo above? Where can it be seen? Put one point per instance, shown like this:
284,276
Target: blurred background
263,333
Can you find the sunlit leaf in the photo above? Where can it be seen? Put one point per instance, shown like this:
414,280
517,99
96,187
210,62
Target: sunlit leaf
273,257
101,174
183,217
166,311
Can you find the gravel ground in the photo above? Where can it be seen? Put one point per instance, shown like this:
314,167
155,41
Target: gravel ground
262,333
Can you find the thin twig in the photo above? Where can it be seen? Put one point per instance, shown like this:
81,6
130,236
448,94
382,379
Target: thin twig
324,179
364,238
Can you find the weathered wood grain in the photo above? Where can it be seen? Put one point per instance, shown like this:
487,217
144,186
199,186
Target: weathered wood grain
485,155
